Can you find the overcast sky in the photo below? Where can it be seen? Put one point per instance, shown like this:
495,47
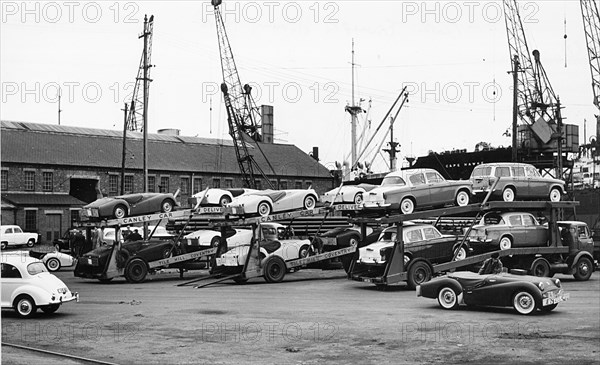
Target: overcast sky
452,56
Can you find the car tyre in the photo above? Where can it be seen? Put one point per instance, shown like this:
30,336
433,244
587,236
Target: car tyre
120,211
540,267
215,241
31,242
263,209
418,273
505,243
224,200
167,206
555,195
304,251
136,270
447,298
310,202
460,253
407,206
358,198
274,269
49,309
583,269
3,245
462,198
508,194
25,306
524,302
53,264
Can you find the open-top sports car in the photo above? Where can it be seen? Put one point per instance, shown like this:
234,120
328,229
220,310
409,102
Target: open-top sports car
525,293
408,190
420,240
53,260
507,230
266,202
207,237
130,204
347,194
217,197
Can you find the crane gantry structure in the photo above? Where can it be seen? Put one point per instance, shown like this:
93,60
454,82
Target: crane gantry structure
591,26
535,104
136,112
242,115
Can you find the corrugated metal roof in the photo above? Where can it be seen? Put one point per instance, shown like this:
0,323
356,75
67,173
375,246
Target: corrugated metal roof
39,199
32,143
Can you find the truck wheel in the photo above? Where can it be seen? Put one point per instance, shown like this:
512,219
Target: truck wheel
31,242
447,298
136,271
25,306
540,267
524,302
49,309
418,273
53,264
274,269
583,269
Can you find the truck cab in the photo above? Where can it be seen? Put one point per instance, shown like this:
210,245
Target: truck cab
576,235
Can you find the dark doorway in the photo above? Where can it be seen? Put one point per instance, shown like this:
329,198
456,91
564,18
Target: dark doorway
54,227
85,189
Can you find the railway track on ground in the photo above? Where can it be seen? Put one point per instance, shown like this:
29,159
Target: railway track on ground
57,355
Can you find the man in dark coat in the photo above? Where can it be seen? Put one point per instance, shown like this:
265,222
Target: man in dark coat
493,265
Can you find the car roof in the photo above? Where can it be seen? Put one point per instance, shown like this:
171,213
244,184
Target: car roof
503,164
404,173
577,223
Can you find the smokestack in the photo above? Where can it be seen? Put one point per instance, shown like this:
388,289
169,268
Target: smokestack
266,112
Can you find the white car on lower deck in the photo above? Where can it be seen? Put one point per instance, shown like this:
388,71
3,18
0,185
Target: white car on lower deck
27,285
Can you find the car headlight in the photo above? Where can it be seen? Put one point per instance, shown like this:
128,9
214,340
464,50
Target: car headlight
557,282
541,286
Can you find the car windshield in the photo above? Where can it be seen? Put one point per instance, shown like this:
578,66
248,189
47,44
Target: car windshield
36,268
392,180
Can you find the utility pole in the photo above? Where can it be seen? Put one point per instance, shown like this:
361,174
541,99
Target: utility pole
515,116
124,150
145,116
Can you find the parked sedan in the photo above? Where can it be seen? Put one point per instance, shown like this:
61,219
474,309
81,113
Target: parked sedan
11,235
266,202
420,241
129,205
516,180
525,294
27,286
417,188
506,230
353,194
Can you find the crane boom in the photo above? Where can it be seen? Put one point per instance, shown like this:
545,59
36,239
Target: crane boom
537,104
136,108
242,115
591,26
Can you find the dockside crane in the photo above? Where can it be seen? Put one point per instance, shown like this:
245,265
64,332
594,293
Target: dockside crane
136,111
242,115
591,26
535,103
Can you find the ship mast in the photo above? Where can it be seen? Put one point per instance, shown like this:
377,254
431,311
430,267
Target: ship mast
353,109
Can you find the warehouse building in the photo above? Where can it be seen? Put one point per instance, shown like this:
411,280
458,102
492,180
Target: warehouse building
49,172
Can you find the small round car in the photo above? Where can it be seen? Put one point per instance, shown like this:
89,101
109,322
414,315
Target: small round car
27,285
